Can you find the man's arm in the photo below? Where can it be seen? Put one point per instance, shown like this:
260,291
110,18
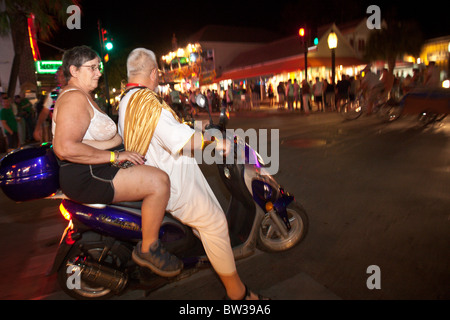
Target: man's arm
7,128
37,134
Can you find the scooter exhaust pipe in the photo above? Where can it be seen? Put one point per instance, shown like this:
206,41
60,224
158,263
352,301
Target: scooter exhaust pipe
103,276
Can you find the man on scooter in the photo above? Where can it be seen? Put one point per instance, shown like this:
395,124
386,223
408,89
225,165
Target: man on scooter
147,123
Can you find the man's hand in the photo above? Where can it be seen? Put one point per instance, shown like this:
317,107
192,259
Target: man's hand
223,146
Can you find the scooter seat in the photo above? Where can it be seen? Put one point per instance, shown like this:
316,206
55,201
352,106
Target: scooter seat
129,204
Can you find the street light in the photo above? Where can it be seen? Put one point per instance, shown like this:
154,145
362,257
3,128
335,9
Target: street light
332,44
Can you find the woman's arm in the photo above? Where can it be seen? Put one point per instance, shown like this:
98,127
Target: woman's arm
106,144
72,120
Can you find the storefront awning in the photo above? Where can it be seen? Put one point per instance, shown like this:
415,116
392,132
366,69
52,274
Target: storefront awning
285,66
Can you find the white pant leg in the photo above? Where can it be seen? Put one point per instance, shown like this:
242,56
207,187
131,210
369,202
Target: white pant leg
205,215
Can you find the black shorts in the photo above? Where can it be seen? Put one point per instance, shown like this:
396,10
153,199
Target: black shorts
13,140
87,183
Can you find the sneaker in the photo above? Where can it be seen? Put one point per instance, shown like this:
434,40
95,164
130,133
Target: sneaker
158,259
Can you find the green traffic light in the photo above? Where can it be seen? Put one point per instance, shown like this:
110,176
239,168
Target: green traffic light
316,41
109,46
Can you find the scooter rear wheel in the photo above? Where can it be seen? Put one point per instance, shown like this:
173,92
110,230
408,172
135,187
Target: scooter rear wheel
91,250
271,238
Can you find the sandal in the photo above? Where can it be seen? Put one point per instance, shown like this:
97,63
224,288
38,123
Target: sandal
247,295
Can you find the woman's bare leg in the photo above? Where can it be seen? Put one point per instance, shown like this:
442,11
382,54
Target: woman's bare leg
151,185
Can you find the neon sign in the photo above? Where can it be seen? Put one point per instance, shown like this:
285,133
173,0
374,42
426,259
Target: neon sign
47,66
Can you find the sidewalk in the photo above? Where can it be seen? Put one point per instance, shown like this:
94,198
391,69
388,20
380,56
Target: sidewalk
264,109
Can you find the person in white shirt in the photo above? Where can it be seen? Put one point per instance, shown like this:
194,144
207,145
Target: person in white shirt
318,94
191,199
41,130
372,85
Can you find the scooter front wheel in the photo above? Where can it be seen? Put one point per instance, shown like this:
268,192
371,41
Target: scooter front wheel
351,110
271,239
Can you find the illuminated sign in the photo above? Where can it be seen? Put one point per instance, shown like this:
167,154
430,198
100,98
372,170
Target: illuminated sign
47,66
50,66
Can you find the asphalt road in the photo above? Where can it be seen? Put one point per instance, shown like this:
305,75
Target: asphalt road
377,196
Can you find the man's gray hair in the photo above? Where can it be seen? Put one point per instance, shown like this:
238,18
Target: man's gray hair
141,61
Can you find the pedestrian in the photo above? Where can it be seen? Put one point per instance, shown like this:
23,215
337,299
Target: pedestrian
342,91
281,94
372,86
25,112
42,131
9,123
229,98
270,92
318,94
306,96
249,93
290,94
175,101
296,94
329,95
209,97
192,102
355,84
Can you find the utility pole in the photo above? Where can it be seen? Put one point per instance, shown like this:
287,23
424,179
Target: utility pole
302,33
306,60
102,44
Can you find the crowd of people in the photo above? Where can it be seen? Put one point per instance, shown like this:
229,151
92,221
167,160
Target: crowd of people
322,95
22,122
18,120
235,98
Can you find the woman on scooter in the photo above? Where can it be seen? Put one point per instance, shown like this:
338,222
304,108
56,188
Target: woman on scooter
90,149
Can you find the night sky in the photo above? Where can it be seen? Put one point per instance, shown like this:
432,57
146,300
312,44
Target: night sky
152,23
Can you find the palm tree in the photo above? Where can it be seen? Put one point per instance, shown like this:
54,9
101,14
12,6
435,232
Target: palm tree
393,42
48,15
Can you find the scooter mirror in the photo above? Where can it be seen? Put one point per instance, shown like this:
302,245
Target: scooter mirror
201,100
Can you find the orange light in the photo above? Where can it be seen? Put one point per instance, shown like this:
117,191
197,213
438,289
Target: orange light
106,58
64,212
301,32
32,37
269,206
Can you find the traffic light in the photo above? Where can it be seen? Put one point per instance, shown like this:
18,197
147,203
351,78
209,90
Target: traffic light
109,45
107,40
301,32
104,35
316,41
